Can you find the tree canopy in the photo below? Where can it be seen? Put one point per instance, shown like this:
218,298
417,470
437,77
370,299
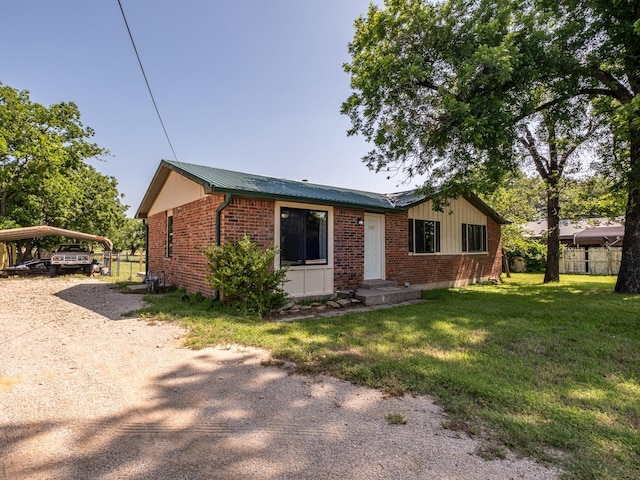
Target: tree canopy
521,198
44,177
131,236
446,88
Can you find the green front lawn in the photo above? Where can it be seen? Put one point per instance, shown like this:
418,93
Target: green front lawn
549,371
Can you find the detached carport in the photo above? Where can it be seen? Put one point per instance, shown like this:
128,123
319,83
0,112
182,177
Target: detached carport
14,234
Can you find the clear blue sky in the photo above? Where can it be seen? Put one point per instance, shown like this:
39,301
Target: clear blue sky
247,85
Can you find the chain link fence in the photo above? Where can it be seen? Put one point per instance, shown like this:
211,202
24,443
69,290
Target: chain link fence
122,266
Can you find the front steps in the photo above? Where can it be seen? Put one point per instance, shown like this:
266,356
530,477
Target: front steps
379,292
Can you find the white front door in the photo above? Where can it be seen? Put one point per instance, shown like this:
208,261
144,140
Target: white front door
373,247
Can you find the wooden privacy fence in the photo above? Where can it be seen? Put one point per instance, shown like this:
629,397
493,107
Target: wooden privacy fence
594,260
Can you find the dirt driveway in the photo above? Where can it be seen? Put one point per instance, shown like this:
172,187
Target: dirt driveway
86,393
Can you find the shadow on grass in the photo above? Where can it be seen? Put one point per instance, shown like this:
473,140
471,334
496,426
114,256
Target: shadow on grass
237,419
551,371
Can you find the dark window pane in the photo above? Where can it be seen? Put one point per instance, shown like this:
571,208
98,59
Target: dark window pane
291,237
484,238
420,234
464,237
316,237
427,236
474,238
303,236
169,235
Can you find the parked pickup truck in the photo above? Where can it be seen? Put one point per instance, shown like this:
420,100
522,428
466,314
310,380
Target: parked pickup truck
72,256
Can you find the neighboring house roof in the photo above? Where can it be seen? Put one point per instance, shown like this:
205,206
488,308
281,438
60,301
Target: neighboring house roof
247,184
596,229
568,228
611,236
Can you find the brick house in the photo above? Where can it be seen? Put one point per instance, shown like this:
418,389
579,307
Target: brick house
330,238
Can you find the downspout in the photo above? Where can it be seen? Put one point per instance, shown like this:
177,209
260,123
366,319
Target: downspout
222,206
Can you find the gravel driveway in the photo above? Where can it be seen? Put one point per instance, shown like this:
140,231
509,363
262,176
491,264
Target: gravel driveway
86,393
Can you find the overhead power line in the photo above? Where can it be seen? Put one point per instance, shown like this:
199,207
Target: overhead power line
155,105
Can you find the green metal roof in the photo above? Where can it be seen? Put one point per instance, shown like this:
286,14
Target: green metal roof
247,184
227,181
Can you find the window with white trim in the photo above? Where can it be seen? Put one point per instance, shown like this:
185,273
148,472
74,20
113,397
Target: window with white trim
303,236
424,236
474,238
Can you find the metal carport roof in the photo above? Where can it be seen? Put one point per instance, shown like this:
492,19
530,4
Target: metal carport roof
46,231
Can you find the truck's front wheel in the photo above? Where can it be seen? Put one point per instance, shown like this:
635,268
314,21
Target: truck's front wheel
53,270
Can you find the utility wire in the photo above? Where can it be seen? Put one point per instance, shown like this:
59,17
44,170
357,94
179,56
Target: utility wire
147,81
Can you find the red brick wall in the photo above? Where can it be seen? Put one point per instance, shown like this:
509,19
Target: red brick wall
348,248
438,270
254,217
194,228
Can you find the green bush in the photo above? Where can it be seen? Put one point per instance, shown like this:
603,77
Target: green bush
245,273
515,244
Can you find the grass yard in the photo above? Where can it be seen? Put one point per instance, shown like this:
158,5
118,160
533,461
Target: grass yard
549,371
126,270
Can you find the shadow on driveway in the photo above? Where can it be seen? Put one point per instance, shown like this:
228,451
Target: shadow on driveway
100,298
235,420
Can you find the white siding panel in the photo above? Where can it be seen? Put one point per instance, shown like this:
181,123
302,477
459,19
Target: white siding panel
309,281
458,211
177,191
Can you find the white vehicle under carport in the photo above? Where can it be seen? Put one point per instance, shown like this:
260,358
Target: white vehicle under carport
13,234
70,257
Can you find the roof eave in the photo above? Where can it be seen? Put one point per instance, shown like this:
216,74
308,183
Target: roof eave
158,181
472,198
298,199
477,202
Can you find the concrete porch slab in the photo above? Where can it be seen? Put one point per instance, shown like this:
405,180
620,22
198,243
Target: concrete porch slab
386,295
367,284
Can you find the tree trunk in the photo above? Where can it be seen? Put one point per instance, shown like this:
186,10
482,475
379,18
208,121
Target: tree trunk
629,274
552,268
24,250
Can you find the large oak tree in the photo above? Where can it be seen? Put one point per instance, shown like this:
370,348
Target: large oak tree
446,88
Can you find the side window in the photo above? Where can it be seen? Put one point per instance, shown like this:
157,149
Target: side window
169,235
303,236
474,238
424,236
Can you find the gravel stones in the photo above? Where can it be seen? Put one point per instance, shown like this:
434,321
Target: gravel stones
88,393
